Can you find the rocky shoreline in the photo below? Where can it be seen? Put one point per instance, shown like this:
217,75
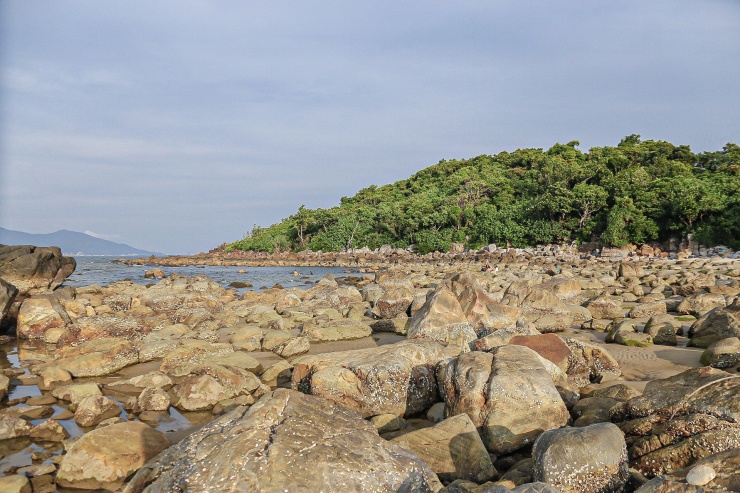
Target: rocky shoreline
554,371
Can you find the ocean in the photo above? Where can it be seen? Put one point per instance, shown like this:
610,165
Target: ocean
103,270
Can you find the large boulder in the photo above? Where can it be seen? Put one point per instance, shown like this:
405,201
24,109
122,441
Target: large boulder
499,391
95,358
101,327
452,448
34,270
582,460
105,457
724,353
700,304
394,379
719,323
442,319
546,311
36,316
287,441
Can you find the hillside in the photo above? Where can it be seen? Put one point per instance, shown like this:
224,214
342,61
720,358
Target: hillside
71,243
636,192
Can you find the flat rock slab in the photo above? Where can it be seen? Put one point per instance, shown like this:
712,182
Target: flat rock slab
288,441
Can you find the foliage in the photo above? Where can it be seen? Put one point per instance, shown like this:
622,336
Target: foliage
635,192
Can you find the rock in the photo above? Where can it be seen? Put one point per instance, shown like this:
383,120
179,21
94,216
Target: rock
700,304
386,423
624,333
101,327
153,399
442,319
724,353
719,323
546,311
604,307
13,427
436,413
700,475
36,316
293,347
394,379
582,460
345,329
105,457
498,392
452,448
549,346
725,466
8,292
4,386
644,310
663,334
394,302
593,410
96,358
501,337
620,392
278,371
589,362
200,393
49,431
698,390
15,483
75,393
154,274
290,441
34,270
94,409
181,360
398,325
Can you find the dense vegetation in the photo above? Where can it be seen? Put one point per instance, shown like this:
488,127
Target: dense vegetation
636,192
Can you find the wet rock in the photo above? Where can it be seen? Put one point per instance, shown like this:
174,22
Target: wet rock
394,379
295,441
452,448
13,427
719,323
154,274
49,431
15,483
8,292
724,353
153,399
105,457
74,393
94,409
582,460
96,358
498,391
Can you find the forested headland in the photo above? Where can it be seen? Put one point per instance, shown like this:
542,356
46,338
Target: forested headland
637,192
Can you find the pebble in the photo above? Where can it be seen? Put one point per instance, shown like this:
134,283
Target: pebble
700,475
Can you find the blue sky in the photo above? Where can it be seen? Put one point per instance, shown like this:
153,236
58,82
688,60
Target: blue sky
176,125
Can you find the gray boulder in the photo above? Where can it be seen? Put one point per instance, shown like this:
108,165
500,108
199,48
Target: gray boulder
34,270
287,441
719,323
582,460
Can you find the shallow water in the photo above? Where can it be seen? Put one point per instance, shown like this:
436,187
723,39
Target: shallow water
20,452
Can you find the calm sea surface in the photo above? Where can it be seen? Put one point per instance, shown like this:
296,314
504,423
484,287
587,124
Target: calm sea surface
104,271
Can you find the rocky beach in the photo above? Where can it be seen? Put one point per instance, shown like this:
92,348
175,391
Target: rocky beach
528,370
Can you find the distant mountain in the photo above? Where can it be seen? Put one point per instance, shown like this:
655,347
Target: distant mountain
72,243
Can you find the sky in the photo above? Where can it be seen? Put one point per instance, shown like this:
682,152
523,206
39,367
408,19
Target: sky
175,126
